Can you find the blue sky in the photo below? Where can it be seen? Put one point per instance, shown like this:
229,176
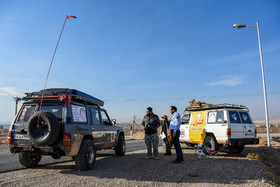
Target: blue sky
135,54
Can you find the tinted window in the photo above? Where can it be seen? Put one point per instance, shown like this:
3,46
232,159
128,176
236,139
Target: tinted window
56,110
216,117
95,117
245,117
29,110
105,118
234,117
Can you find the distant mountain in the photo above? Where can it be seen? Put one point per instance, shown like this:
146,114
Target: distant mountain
271,120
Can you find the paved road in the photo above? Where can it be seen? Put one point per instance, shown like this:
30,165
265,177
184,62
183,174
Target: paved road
272,134
9,162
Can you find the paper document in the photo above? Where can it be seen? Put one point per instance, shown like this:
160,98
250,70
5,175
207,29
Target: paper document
162,135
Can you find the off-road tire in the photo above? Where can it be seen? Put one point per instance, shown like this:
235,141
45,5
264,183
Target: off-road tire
120,147
236,149
29,160
86,157
209,143
46,132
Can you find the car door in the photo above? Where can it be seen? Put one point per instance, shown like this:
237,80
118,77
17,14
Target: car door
110,132
249,127
237,128
185,128
98,129
217,124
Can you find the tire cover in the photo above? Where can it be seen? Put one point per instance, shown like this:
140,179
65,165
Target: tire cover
46,132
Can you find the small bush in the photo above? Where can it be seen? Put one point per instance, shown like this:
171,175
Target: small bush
263,141
253,156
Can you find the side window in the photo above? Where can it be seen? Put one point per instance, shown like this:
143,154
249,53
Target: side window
212,117
105,118
186,118
216,117
245,118
220,117
79,114
234,117
95,117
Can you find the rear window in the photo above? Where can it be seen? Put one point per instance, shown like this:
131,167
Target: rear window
26,113
29,110
234,117
216,117
245,117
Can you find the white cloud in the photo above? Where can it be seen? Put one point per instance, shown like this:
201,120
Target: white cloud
12,91
228,81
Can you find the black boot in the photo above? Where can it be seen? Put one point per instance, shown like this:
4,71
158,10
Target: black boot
168,153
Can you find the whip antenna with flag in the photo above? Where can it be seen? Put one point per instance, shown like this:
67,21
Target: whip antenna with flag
67,17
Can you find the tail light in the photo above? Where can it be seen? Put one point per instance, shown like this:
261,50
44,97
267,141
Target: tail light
9,138
66,139
228,132
255,132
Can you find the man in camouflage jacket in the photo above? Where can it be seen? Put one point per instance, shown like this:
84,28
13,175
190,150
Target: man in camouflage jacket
151,123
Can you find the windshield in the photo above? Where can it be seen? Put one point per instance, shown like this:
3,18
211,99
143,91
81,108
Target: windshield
29,110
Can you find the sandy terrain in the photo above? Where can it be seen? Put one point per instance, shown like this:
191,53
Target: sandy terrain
134,170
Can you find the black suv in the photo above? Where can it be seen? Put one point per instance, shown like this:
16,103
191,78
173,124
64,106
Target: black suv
67,123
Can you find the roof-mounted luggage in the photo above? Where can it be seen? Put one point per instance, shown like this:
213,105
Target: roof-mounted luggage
198,105
56,92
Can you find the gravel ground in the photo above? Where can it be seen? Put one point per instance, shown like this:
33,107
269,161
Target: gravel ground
134,170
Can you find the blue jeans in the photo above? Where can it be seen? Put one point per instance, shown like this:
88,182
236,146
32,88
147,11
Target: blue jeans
177,145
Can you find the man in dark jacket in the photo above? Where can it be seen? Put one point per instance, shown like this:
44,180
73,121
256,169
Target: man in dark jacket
168,139
151,123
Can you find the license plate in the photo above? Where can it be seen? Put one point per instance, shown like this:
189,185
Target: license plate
249,134
21,137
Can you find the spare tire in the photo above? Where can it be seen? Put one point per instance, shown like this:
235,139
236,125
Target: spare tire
46,131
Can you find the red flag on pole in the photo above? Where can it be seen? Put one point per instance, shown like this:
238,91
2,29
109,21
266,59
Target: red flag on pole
71,17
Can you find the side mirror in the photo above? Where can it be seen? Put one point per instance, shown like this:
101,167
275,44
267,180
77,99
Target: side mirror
114,121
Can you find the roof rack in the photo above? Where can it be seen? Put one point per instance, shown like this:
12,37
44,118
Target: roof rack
65,94
196,106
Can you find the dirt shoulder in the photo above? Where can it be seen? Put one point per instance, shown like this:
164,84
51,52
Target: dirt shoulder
4,147
134,170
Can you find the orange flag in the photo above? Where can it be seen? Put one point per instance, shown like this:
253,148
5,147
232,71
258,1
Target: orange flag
71,17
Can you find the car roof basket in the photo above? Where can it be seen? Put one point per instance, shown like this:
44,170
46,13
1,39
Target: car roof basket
75,94
196,106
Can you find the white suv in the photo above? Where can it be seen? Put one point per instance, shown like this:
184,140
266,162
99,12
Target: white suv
218,126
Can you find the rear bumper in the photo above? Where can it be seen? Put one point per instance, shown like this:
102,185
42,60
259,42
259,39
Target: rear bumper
36,150
243,141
